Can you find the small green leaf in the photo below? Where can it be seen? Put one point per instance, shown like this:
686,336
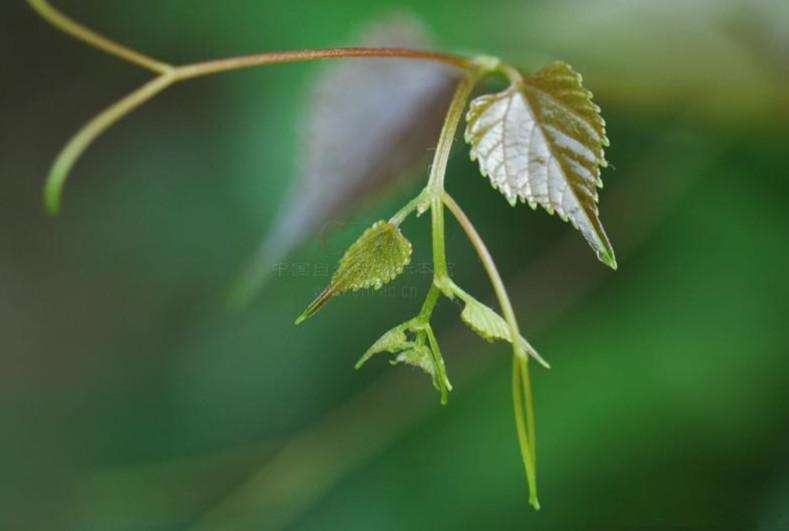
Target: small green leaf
392,341
418,356
423,352
423,357
376,258
490,325
541,141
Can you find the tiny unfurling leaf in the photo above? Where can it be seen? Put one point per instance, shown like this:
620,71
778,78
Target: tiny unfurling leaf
392,341
418,356
541,140
427,359
422,352
377,257
490,325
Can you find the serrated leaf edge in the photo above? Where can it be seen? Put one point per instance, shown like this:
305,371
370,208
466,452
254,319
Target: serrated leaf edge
481,104
334,288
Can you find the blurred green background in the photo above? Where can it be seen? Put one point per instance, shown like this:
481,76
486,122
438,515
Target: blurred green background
131,400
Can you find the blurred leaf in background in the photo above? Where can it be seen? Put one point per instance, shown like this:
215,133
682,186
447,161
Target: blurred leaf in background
370,122
130,400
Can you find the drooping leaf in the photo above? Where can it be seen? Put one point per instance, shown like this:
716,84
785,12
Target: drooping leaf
393,341
490,325
422,357
418,356
376,258
369,122
541,140
422,352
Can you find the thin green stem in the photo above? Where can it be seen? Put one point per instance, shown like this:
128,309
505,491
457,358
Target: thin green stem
490,268
529,400
421,324
440,271
438,170
430,303
454,114
441,371
527,449
76,146
509,316
409,207
77,30
511,73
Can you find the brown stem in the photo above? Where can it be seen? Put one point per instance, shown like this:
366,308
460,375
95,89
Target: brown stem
249,61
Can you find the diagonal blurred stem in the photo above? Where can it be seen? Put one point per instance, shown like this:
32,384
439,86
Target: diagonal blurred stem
520,360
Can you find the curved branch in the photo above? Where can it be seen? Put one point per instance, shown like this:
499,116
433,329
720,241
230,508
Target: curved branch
170,74
78,31
92,130
249,61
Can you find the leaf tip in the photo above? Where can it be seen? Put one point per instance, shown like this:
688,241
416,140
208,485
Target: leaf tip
444,398
315,305
534,502
608,258
532,352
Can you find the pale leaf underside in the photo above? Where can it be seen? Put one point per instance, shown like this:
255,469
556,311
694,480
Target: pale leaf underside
541,141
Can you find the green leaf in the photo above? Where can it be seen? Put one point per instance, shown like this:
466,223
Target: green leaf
423,357
490,325
423,352
418,356
376,258
541,141
392,341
